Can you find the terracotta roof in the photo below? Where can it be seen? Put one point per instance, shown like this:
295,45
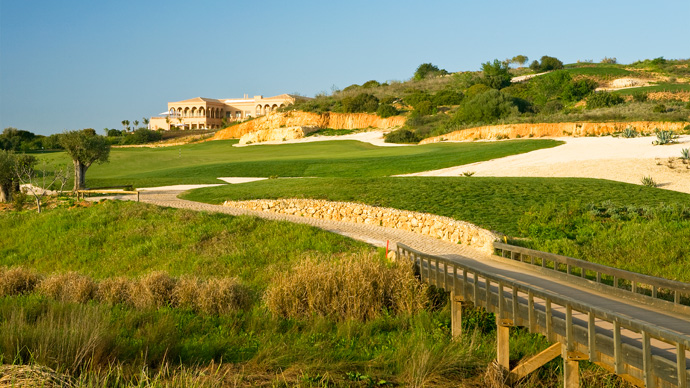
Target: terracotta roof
200,99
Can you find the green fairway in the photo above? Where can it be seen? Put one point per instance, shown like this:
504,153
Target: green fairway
205,162
494,203
600,71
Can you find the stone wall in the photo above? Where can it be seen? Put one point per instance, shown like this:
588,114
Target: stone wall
275,120
444,228
512,131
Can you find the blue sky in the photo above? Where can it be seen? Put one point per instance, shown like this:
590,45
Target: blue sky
76,64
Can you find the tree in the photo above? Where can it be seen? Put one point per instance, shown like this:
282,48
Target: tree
362,102
495,75
136,124
550,63
520,60
85,148
9,184
428,70
38,183
125,123
146,121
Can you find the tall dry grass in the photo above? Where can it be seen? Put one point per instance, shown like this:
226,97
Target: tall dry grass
360,287
154,290
17,281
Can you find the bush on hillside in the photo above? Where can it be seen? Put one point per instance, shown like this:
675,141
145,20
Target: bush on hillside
577,90
495,75
363,102
356,287
371,84
427,70
447,97
475,90
486,107
547,63
603,99
403,136
386,110
141,136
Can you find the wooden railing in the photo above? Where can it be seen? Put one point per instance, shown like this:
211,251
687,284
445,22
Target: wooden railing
651,290
643,354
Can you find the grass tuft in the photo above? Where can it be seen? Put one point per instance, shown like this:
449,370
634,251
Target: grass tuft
17,281
68,287
359,287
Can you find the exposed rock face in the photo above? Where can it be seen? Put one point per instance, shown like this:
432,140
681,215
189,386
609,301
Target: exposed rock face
550,130
275,120
288,133
444,228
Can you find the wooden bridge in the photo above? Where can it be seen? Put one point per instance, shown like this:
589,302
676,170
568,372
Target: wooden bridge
633,325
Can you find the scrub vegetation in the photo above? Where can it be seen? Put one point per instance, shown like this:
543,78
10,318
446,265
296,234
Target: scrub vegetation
437,101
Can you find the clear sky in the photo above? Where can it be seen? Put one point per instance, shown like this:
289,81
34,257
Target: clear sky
76,64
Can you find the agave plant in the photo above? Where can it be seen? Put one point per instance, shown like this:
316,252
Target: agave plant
629,132
685,153
648,181
664,137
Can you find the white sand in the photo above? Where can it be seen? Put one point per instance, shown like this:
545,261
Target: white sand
372,137
619,159
236,180
178,187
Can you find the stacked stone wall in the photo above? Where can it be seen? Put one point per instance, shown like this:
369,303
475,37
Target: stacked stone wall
444,228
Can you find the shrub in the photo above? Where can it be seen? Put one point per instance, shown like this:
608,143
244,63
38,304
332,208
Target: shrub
426,70
447,97
648,181
386,110
141,136
17,281
577,90
603,99
19,199
495,75
664,137
659,108
355,287
486,107
610,61
547,63
424,108
550,63
402,136
371,84
640,97
476,89
362,102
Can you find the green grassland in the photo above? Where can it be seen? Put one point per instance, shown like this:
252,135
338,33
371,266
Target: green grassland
205,162
494,203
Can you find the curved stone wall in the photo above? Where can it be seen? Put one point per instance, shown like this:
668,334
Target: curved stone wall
445,228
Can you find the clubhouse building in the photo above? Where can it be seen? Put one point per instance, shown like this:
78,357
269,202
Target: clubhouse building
209,113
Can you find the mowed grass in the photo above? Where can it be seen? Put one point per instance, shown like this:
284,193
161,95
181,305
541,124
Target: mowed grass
129,239
493,203
205,162
599,71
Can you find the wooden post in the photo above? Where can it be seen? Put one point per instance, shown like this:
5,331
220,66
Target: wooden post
571,369
456,305
502,344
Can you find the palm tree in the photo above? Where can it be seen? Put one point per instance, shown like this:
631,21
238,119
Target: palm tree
125,123
136,124
145,121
